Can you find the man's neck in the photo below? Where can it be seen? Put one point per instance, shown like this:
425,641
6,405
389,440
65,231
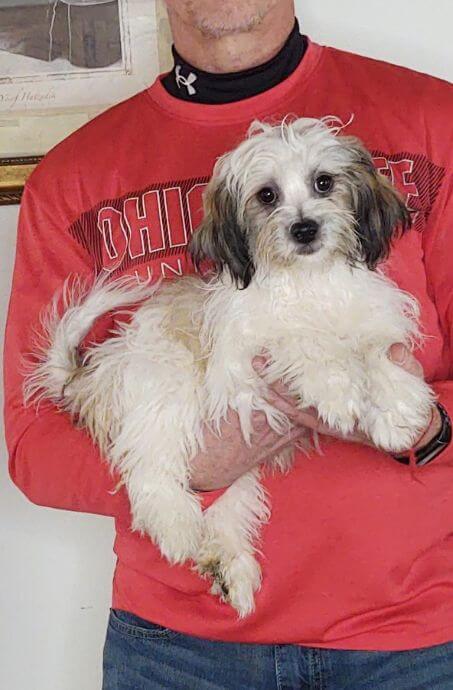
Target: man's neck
237,51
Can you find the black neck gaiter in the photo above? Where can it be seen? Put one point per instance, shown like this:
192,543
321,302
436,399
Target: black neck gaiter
191,84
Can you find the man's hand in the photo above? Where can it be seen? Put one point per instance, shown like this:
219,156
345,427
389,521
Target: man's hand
280,398
227,457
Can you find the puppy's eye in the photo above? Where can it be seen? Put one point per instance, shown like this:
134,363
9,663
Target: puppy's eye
267,195
323,184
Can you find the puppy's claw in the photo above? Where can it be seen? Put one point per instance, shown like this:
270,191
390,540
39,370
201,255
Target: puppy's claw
212,569
234,582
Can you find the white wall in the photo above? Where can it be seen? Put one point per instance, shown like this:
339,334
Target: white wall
413,33
55,569
55,572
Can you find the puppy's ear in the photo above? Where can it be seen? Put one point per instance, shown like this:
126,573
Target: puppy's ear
378,207
221,237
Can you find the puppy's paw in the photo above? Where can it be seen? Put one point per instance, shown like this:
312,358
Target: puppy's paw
234,579
395,433
338,395
399,413
339,414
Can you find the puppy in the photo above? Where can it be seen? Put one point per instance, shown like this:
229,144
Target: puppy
296,221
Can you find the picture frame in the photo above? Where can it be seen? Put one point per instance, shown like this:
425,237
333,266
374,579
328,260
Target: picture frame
13,175
55,75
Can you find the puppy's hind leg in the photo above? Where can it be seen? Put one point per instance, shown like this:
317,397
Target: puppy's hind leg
158,436
166,511
230,528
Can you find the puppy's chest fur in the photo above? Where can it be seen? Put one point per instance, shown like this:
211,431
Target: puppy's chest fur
216,329
345,306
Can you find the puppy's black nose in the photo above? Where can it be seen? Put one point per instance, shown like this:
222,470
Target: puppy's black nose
305,231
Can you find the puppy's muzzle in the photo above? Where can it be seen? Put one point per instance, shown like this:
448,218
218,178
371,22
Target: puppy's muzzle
304,232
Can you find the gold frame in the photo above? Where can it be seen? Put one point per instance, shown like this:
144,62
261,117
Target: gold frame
13,175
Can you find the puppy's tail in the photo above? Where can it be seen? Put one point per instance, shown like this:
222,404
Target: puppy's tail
69,318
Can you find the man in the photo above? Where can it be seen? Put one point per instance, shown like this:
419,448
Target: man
357,559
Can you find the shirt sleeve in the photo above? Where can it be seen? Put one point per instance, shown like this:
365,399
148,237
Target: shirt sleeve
438,253
51,461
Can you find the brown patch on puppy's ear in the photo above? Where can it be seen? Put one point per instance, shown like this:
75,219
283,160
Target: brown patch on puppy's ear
379,209
221,237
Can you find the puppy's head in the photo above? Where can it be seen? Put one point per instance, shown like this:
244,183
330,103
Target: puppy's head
296,194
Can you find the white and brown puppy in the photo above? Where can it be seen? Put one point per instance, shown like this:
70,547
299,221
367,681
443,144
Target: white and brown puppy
296,221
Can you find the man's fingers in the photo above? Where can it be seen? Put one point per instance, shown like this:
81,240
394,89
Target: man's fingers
279,397
307,417
401,355
272,443
259,363
278,388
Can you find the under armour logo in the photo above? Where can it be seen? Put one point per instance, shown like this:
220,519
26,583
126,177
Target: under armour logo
186,81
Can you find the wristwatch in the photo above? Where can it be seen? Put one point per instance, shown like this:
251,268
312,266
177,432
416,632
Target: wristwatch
433,448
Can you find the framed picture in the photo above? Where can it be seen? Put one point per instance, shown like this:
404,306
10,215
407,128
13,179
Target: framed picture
64,61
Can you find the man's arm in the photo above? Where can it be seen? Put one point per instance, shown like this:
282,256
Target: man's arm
438,252
53,463
227,457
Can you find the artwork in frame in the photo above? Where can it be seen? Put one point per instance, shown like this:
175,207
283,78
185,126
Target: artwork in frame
62,62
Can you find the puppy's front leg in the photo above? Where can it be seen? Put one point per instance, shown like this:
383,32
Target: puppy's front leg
231,525
399,404
321,376
334,387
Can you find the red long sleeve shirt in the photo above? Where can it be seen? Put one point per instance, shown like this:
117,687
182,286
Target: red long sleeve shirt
358,553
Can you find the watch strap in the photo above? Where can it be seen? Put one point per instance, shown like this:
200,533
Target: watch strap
424,455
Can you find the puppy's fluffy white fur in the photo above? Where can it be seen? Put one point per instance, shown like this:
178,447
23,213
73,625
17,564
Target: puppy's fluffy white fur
295,260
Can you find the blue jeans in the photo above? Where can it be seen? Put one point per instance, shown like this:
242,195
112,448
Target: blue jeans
139,655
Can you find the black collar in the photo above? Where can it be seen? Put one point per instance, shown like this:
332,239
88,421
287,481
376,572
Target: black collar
191,84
